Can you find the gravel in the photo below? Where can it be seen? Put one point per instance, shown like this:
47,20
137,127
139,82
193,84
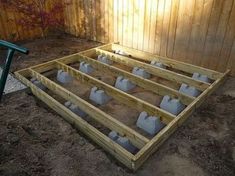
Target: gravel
12,84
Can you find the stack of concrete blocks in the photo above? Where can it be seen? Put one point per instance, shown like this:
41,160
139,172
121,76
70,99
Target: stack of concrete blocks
158,64
85,68
75,109
200,77
122,141
171,105
38,84
64,77
99,96
150,124
104,59
190,90
141,72
124,84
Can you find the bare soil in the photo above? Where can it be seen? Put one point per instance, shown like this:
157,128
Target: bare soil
34,140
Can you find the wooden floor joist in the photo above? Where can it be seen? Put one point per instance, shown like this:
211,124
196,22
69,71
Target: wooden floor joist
163,73
145,145
188,68
144,83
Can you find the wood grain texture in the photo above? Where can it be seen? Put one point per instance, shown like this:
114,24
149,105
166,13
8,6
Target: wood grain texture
201,32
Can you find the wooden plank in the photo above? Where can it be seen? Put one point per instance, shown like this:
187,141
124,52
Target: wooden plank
159,26
165,26
195,33
119,95
164,134
115,20
111,21
112,147
141,17
214,61
153,19
144,83
189,68
135,24
173,27
211,33
100,116
147,23
206,12
163,73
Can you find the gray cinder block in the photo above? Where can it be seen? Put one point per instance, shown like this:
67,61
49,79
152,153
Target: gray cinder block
122,141
38,83
99,96
124,84
200,77
141,72
158,64
85,68
189,90
150,124
171,105
75,109
104,59
63,77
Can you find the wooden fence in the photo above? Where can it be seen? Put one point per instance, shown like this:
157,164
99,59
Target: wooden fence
201,32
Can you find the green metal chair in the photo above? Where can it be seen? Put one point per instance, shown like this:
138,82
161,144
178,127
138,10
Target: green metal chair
6,66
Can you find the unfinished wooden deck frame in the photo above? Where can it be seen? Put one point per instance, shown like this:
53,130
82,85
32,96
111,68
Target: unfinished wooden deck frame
146,146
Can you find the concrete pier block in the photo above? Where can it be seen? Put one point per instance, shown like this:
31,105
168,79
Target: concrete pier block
75,109
173,106
150,124
38,83
123,53
63,77
104,59
122,141
85,68
99,96
158,64
124,84
141,72
189,90
200,77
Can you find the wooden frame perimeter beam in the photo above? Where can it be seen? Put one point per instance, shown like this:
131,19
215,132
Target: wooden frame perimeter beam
112,147
156,142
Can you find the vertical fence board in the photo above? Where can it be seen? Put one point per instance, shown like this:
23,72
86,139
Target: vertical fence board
201,32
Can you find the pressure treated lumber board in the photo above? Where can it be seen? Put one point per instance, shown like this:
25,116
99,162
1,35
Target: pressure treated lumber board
146,146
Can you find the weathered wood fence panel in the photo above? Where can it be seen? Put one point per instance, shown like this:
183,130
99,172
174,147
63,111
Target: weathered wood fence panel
201,32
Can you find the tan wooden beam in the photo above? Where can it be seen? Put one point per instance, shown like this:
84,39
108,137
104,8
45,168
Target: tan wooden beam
144,83
100,116
112,147
188,68
119,95
163,73
164,134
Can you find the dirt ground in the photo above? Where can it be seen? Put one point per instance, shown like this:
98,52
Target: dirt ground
34,140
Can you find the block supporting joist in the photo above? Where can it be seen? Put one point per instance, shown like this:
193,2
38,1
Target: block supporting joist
145,145
127,99
146,84
188,68
163,73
